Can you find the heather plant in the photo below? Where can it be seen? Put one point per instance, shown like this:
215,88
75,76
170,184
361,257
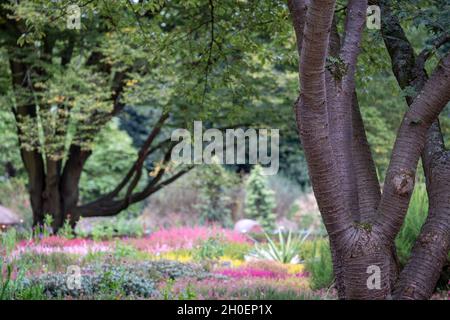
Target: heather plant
110,284
259,199
249,289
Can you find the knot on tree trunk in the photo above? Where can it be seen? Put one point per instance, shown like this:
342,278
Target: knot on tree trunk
403,182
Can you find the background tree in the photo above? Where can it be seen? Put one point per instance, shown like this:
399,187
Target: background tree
184,61
259,199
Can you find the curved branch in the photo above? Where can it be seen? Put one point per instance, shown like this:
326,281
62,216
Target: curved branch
298,10
410,142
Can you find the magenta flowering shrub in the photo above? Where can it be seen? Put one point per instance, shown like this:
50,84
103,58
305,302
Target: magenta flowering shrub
185,238
239,273
56,244
251,272
250,288
56,241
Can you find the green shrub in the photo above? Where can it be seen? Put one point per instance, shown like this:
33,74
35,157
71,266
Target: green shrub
66,231
319,263
109,284
236,250
210,249
259,199
17,288
120,226
122,250
188,293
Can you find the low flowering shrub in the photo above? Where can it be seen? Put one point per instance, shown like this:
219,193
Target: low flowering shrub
185,238
247,271
249,289
112,284
76,247
58,241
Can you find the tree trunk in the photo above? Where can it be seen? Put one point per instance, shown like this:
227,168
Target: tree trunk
363,240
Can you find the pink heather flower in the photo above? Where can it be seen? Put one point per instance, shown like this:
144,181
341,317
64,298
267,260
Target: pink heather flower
80,249
56,241
249,273
185,238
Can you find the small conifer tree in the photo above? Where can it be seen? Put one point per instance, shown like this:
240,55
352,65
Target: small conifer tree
259,199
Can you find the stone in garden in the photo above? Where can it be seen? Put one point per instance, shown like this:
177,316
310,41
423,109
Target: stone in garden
248,226
8,218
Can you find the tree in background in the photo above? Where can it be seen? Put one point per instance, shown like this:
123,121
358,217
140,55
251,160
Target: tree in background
216,186
184,60
259,199
362,222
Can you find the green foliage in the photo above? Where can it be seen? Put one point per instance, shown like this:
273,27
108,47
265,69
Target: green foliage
17,288
113,155
236,250
210,249
110,284
215,185
121,226
42,262
10,162
44,230
124,251
415,218
8,241
66,231
259,199
168,293
319,264
102,231
336,66
5,278
286,250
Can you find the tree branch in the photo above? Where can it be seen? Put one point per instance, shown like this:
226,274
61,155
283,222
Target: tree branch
312,117
298,10
410,142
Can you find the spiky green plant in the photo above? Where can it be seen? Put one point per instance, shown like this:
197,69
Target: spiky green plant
286,250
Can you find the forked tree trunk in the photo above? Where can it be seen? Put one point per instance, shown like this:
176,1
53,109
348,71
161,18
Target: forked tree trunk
362,224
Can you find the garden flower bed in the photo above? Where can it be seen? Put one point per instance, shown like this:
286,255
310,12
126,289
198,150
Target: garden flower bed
188,263
178,263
